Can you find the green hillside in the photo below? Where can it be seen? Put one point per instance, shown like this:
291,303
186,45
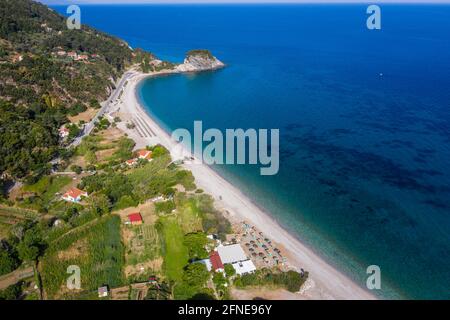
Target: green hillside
40,82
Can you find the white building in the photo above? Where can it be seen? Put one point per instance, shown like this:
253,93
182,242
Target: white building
74,195
244,267
63,132
235,255
231,254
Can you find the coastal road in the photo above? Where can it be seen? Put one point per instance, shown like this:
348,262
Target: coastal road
90,126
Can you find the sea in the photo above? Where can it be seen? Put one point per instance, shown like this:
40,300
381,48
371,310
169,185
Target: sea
363,116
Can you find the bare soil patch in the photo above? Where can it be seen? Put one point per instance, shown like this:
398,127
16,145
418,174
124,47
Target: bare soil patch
74,251
85,116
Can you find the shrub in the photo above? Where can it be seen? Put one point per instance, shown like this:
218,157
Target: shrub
12,292
8,261
195,275
76,169
165,207
229,270
196,242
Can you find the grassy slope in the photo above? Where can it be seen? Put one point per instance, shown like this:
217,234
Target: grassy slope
176,254
47,186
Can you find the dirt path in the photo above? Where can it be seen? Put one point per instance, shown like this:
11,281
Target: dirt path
14,277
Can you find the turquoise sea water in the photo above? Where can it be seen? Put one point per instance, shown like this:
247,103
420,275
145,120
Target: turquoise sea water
364,158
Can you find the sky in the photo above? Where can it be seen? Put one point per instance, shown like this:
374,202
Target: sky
51,2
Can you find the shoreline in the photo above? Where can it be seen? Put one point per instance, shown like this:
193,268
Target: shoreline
326,282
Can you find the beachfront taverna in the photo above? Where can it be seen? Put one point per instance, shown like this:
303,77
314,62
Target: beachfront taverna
235,255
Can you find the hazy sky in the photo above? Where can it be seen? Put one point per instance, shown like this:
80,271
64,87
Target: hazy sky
237,1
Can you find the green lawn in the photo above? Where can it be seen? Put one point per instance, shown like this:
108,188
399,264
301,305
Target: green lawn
47,186
175,253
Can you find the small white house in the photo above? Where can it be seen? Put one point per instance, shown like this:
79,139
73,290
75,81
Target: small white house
74,195
63,132
58,222
103,292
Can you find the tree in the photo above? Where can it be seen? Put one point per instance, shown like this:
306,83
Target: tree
196,242
76,169
12,292
8,262
95,104
70,213
196,275
165,206
31,245
99,204
229,270
74,131
219,280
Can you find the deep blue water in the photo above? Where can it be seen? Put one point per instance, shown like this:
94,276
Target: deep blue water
365,159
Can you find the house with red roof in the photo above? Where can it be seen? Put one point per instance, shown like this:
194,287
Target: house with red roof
82,57
131,162
72,54
144,154
74,195
63,132
216,262
135,218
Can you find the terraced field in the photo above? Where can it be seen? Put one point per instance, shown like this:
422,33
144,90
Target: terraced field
145,244
9,216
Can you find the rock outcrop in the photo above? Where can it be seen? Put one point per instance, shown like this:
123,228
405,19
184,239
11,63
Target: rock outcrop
199,60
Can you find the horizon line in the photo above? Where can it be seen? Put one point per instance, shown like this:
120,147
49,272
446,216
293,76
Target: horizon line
237,2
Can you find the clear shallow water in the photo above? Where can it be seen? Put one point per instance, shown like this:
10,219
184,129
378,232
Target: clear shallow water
365,168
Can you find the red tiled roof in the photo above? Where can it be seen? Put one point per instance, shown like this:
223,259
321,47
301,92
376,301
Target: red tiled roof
216,262
135,217
131,161
146,154
74,193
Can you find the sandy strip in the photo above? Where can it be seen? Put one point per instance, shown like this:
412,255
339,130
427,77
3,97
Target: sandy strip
326,282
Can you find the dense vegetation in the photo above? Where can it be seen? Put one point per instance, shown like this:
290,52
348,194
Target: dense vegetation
9,260
95,248
200,52
290,280
39,88
12,292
